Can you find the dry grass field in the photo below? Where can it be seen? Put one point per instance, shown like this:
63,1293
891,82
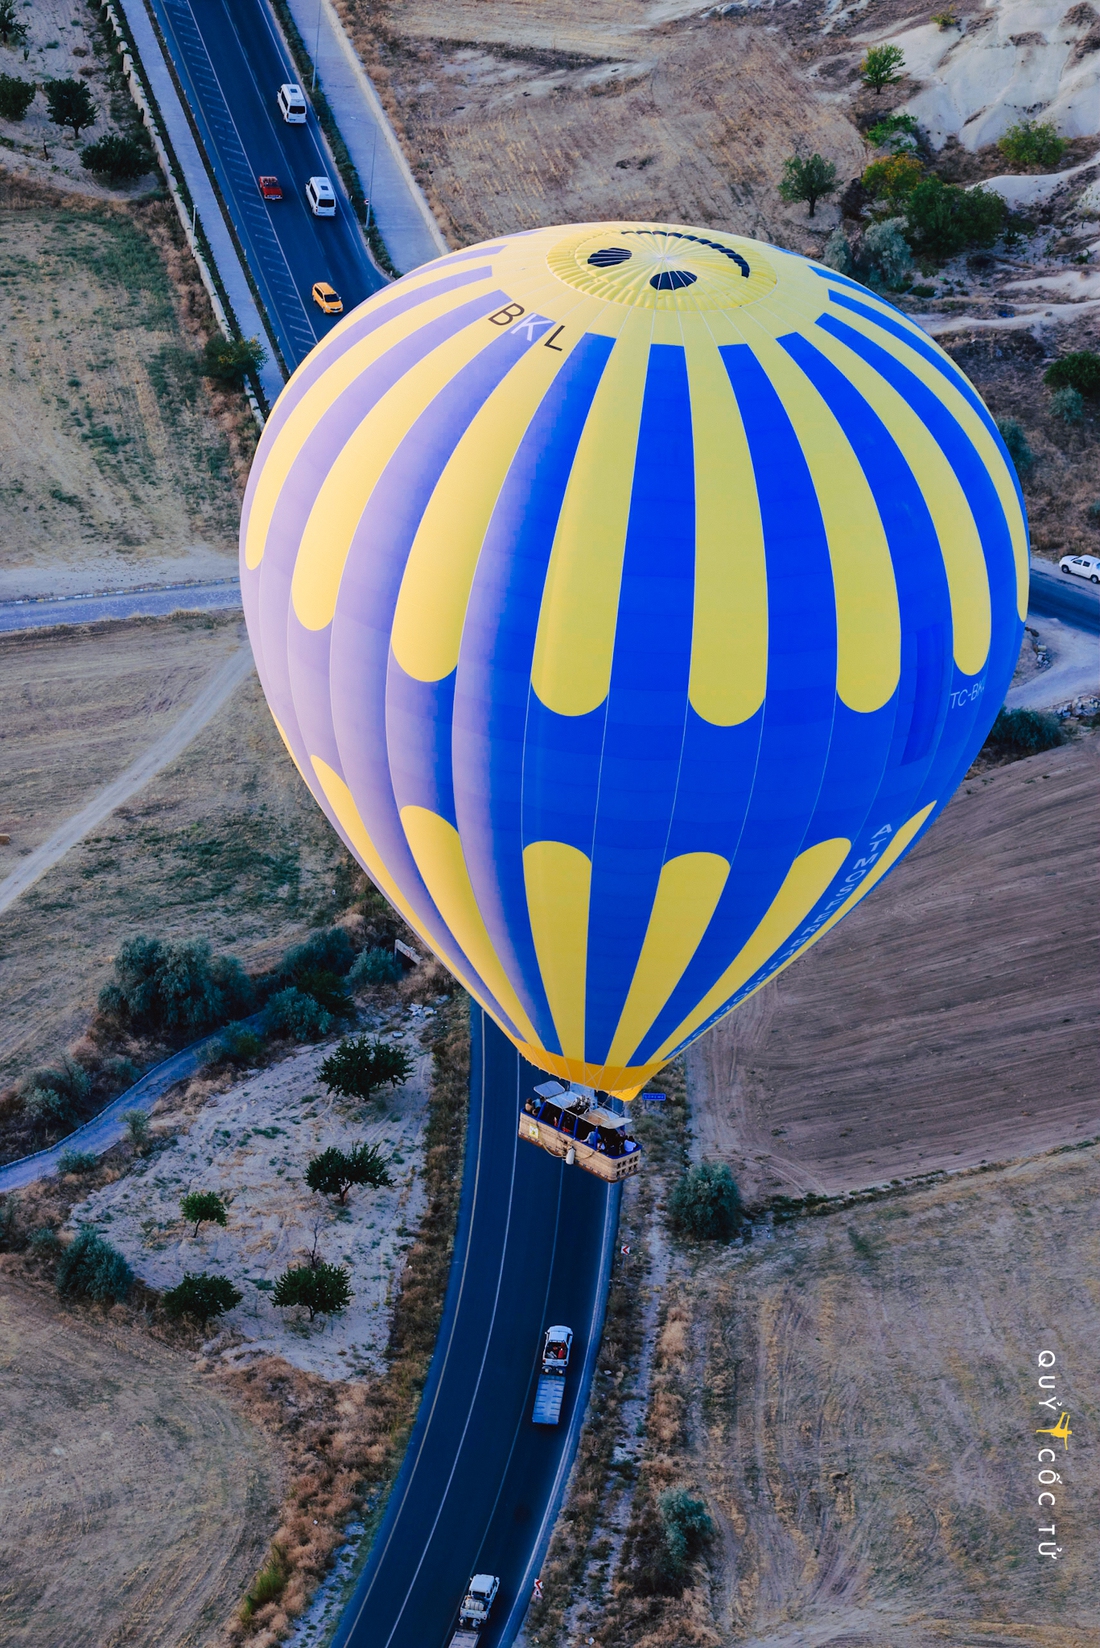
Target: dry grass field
136,1501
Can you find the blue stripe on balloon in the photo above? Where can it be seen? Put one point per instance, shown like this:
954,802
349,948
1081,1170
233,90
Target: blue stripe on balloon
561,774
493,684
644,728
715,784
419,715
798,711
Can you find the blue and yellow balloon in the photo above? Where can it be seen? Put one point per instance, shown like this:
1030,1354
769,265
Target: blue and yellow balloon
630,597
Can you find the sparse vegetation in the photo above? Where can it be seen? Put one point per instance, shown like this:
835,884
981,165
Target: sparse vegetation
202,1297
883,66
200,1207
321,1289
1032,143
809,180
70,104
119,158
1079,370
704,1204
359,1067
16,96
334,1171
90,1268
1016,444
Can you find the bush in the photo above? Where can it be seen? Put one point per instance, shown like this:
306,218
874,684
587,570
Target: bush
894,131
670,1542
53,1097
70,104
894,178
91,1268
1068,404
334,1171
232,360
1079,370
239,1044
705,1203
838,253
1016,444
330,951
175,987
944,219
885,253
16,96
202,1297
201,1207
1032,143
47,1108
323,1290
45,1242
328,990
1093,511
360,1066
375,967
120,158
807,180
77,1161
137,1128
1019,733
883,66
293,1013
268,1585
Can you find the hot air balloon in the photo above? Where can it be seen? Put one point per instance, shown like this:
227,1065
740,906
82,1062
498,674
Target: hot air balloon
631,597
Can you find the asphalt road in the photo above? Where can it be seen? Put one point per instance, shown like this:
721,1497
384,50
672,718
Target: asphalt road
1055,594
221,596
231,61
480,1484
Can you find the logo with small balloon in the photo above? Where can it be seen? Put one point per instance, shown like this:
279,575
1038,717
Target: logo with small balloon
1058,1431
658,266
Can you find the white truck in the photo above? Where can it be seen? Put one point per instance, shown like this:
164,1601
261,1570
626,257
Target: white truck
551,1386
474,1611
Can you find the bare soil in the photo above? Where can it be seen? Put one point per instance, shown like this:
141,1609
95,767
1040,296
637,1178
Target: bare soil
135,1499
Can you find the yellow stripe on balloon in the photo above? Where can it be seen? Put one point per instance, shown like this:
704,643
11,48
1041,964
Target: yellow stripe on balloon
437,848
435,588
558,879
575,641
278,460
687,895
868,620
805,882
987,448
959,539
729,638
356,470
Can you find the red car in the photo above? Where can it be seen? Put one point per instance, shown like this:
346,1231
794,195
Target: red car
270,188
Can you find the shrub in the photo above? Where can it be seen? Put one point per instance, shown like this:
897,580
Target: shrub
323,1290
330,951
122,1073
705,1203
894,178
53,1097
807,180
175,987
334,1171
119,158
47,1108
12,31
201,1207
202,1297
45,1242
1032,143
239,1044
16,96
1068,404
885,253
137,1128
268,1585
945,20
883,66
1016,444
360,1066
670,1542
1019,733
91,1268
70,104
232,360
944,219
375,967
328,990
12,1239
293,1013
894,131
1079,370
77,1161
1093,511
838,253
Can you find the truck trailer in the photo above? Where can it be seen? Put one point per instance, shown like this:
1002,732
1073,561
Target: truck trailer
480,1594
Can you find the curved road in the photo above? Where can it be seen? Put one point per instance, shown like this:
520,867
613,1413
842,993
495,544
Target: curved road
1055,594
481,1485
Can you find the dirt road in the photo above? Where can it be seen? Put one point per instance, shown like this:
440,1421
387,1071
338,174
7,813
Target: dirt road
135,1502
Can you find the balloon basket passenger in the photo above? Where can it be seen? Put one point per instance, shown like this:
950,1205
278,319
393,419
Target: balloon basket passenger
569,1123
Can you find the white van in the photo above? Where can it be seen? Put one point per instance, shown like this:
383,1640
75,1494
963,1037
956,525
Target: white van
322,199
292,103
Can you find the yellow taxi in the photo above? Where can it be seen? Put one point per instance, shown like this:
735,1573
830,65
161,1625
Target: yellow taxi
330,302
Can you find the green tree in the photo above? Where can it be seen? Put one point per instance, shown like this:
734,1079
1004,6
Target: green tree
12,31
808,180
334,1171
944,219
292,1012
201,1207
160,986
323,1290
202,1297
883,66
70,104
119,158
375,966
1032,143
232,360
1079,370
16,96
670,1541
360,1066
705,1204
91,1268
1019,733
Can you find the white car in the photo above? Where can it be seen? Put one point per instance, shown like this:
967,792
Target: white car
321,197
292,103
1082,566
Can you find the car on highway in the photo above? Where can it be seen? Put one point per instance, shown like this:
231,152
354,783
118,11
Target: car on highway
1082,566
327,300
269,186
321,197
480,1594
292,103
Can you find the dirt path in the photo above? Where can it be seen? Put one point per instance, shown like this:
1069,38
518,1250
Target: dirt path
137,775
951,1020
135,1502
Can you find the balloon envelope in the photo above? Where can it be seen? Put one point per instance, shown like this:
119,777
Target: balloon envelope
630,597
